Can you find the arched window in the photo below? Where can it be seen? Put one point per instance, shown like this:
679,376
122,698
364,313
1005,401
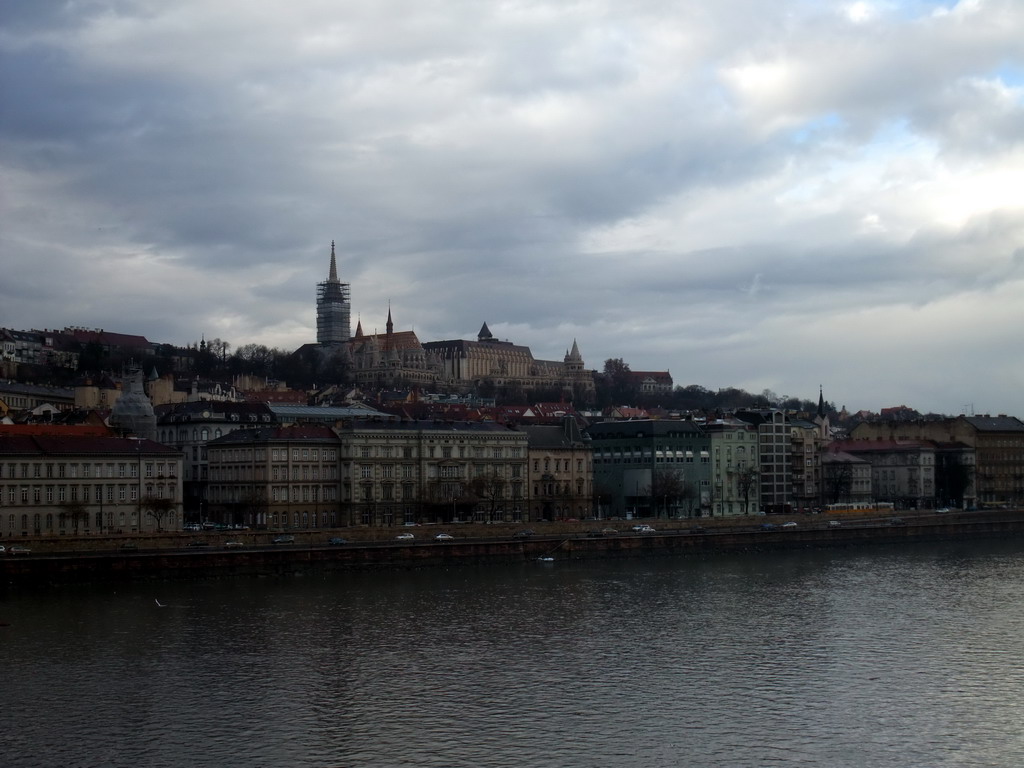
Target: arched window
206,434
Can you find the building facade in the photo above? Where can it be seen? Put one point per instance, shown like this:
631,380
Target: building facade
395,472
651,468
775,448
190,427
374,472
504,364
275,477
996,471
735,468
902,471
55,484
561,471
846,479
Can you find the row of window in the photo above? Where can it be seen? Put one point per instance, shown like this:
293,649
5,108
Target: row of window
39,470
49,494
560,465
39,523
647,460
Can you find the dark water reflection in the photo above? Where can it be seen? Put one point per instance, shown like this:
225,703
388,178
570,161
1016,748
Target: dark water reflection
894,657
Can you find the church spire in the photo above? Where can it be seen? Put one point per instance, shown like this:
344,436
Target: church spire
390,326
821,402
575,354
333,276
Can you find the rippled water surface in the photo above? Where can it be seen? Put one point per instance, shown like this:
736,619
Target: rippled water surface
882,657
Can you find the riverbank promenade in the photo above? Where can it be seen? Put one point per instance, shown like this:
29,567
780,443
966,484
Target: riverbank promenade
228,553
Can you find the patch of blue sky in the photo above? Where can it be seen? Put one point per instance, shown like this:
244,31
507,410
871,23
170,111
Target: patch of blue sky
897,137
1011,74
818,128
916,9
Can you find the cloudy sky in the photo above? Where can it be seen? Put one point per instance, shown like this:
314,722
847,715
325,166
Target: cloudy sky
767,195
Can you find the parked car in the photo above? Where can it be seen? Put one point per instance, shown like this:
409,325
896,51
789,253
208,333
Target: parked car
834,524
444,537
767,526
128,546
2,549
790,524
896,521
698,529
286,539
524,533
17,549
643,529
405,537
233,544
942,511
337,541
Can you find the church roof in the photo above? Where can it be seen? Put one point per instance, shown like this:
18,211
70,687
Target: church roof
397,340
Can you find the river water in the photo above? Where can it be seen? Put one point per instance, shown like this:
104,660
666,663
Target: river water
909,656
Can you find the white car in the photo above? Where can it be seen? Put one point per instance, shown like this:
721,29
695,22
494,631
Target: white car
790,524
444,537
405,537
643,529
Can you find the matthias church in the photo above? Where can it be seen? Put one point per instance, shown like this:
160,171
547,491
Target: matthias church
398,359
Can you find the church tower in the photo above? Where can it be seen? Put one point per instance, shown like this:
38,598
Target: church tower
333,308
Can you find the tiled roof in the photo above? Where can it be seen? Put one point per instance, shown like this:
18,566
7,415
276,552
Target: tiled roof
879,446
107,338
995,423
49,445
607,430
57,430
663,376
395,340
545,436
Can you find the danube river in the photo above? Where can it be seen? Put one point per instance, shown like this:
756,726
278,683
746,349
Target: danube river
881,656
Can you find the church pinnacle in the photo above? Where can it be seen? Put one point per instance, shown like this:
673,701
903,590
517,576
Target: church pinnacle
333,276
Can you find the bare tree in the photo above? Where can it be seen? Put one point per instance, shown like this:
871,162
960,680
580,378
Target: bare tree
666,488
158,508
75,511
746,481
490,489
837,480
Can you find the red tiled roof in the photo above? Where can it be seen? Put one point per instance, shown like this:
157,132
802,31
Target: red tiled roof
57,430
70,445
395,340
